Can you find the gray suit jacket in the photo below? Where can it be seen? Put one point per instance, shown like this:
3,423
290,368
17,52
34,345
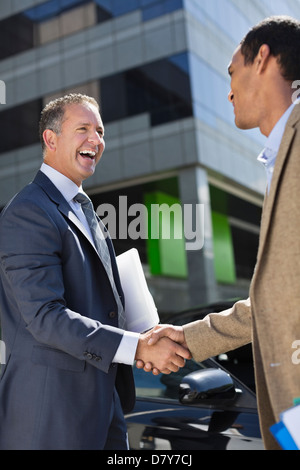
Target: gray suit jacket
59,325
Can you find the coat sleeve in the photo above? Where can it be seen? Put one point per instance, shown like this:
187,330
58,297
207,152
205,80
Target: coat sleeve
220,332
31,247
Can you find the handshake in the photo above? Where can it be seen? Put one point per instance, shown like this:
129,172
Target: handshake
162,349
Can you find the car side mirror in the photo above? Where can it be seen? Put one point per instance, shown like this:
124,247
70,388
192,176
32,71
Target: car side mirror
207,386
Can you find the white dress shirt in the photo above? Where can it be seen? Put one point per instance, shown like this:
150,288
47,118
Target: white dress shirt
268,156
125,354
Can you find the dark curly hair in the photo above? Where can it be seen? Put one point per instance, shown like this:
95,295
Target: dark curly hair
282,35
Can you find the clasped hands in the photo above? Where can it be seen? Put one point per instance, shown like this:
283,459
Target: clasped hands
162,349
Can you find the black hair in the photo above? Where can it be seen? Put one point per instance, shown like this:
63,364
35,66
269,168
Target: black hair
282,35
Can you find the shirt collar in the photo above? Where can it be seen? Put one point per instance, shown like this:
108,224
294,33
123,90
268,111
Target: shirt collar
270,151
66,186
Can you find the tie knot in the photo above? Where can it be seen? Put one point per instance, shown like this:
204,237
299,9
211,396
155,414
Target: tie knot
82,199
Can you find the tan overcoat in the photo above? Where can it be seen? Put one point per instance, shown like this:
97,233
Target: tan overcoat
270,318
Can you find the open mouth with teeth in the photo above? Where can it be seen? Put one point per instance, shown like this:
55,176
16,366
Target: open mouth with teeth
87,154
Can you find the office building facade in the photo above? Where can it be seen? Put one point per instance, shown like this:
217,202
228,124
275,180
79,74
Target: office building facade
173,154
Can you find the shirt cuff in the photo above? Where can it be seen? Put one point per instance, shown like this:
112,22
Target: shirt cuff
127,348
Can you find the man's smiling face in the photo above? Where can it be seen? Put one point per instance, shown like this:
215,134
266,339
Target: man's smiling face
80,144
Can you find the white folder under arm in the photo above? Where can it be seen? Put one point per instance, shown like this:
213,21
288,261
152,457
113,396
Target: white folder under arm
140,310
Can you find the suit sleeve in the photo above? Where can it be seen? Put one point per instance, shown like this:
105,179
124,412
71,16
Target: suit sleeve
30,251
220,332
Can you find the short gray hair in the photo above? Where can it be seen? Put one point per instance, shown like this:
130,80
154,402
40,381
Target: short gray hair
53,113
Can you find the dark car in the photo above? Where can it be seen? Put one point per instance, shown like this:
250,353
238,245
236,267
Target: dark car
204,406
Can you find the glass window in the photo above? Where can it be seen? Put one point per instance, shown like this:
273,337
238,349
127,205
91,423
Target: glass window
57,18
158,8
16,35
236,24
209,89
162,386
245,245
243,219
19,126
161,88
119,7
52,8
66,23
112,8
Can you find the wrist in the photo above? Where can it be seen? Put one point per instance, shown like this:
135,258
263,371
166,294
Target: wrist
140,347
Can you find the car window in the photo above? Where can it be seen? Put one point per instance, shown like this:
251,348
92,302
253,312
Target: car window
238,362
162,386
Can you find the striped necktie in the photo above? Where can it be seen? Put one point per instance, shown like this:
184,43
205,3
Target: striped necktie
102,248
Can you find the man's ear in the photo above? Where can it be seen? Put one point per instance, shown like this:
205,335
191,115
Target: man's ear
262,58
50,139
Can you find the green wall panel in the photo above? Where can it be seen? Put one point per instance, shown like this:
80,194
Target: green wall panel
223,249
165,242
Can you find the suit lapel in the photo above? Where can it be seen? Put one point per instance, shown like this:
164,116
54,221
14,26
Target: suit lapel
281,160
55,195
66,210
74,219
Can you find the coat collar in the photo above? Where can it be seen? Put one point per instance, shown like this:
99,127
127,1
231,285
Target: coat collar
281,160
57,198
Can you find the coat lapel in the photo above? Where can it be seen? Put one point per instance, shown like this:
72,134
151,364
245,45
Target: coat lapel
281,160
55,195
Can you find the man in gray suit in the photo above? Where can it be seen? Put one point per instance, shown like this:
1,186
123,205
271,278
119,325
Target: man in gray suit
67,378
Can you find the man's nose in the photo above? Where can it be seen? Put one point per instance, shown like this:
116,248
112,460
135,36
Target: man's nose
230,96
96,138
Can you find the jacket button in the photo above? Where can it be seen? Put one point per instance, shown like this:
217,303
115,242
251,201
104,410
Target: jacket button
88,355
112,314
96,358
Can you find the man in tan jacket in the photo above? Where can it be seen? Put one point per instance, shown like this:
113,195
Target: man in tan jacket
264,71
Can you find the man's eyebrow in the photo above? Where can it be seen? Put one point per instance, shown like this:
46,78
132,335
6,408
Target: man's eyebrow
79,124
89,124
83,124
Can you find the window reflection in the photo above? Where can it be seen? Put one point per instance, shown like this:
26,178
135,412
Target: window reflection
163,386
16,35
161,88
19,125
55,19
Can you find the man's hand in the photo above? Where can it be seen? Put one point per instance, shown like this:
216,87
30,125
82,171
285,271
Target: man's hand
163,353
157,337
175,333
